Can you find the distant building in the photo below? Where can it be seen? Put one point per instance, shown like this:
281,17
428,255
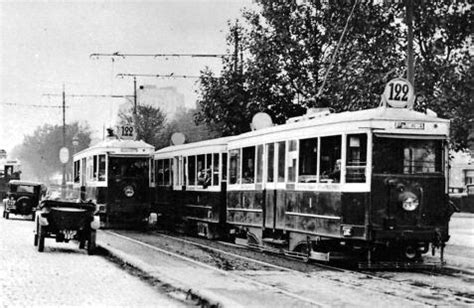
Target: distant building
461,171
168,99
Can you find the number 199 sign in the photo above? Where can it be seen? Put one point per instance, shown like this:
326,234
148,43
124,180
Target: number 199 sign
398,93
126,132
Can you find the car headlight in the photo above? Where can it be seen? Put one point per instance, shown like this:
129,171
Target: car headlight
410,203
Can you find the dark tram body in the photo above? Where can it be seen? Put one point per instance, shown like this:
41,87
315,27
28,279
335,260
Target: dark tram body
189,187
369,183
114,174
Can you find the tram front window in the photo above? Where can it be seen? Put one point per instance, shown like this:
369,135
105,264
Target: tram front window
128,167
407,156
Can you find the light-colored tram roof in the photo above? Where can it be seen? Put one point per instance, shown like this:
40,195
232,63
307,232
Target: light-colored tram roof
378,119
210,145
117,146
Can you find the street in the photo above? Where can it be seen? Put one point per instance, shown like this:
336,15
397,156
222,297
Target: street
63,275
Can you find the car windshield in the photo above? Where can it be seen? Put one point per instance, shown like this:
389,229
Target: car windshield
22,189
407,156
57,194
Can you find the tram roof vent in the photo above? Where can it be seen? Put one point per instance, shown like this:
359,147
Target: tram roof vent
311,113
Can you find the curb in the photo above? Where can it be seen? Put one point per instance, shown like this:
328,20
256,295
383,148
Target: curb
205,298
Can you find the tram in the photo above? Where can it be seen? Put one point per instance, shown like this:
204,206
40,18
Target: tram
10,169
189,184
368,184
114,174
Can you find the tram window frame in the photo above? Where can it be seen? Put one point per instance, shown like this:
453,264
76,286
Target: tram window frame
259,161
234,166
281,161
159,172
270,155
308,160
356,158
224,167
248,165
89,166
330,159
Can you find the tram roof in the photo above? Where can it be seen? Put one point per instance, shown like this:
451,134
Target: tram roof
210,144
351,118
118,144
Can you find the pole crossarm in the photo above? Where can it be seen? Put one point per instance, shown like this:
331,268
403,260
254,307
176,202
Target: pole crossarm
89,95
172,75
156,55
33,105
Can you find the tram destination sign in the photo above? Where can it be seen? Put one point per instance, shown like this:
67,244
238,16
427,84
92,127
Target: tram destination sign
409,125
398,93
126,132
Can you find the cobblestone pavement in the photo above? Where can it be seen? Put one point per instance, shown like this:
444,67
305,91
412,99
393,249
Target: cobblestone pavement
63,275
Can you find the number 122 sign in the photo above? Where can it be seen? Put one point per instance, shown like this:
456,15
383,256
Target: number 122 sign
126,132
398,93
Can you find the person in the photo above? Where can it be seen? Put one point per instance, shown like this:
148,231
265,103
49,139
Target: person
336,173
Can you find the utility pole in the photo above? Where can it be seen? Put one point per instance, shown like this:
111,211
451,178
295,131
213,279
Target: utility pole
63,183
410,55
135,103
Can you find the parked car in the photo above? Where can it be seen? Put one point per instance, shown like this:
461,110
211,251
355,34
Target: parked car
64,217
22,198
464,201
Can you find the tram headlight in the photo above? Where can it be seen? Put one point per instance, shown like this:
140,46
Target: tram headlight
410,203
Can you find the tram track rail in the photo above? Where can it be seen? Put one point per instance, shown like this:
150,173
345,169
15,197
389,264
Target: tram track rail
430,295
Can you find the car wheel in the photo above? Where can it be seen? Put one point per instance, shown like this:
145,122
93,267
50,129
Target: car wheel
82,240
91,242
40,240
7,215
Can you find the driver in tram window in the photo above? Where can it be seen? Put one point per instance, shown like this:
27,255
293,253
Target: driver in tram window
336,173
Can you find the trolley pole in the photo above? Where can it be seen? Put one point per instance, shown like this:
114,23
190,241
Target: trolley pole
63,183
135,103
410,55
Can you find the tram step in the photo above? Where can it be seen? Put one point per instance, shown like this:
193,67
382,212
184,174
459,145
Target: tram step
276,242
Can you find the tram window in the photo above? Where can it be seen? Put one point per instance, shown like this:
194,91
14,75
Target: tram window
234,169
281,161
248,165
270,161
77,170
171,172
159,172
356,159
308,159
101,167
292,157
224,166
260,163
166,172
152,171
407,156
192,170
89,168
330,159
96,167
176,180
202,171
215,169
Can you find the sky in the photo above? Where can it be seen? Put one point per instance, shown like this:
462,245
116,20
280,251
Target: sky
47,44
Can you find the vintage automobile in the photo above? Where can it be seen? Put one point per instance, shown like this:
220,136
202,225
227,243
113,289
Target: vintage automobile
22,198
64,217
464,201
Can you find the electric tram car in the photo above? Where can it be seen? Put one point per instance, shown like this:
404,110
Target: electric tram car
114,174
189,184
369,183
